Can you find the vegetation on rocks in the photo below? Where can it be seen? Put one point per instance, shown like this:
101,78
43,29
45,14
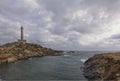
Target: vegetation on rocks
14,51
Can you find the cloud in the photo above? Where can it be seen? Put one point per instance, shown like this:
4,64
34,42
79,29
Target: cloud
117,36
62,24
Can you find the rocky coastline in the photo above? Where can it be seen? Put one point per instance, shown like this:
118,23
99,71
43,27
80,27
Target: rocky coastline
12,52
103,67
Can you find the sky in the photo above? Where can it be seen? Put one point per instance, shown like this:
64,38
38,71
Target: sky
62,24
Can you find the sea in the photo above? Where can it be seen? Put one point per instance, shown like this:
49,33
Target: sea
64,67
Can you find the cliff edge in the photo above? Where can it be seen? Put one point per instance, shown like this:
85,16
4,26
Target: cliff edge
103,67
12,52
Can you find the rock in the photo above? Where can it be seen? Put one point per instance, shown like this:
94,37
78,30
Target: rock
4,61
4,56
11,59
12,52
103,67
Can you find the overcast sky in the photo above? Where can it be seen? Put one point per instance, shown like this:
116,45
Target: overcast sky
62,24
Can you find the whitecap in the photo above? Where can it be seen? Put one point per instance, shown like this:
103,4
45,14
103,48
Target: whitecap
83,60
66,55
64,52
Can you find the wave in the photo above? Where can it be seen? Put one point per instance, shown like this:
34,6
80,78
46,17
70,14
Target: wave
66,55
83,60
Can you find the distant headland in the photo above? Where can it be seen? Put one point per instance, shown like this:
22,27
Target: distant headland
19,50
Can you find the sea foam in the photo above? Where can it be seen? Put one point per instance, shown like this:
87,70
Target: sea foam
83,60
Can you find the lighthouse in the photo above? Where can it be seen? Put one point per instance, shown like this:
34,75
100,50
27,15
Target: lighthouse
22,34
21,41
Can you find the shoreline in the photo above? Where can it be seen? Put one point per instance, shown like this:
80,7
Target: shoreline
105,67
12,52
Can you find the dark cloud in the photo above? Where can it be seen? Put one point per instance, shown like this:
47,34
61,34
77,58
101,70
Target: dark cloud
115,37
62,24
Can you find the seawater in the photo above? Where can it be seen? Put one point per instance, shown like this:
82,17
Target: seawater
65,67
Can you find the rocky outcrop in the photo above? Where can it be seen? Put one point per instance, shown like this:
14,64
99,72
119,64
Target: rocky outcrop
12,52
103,67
